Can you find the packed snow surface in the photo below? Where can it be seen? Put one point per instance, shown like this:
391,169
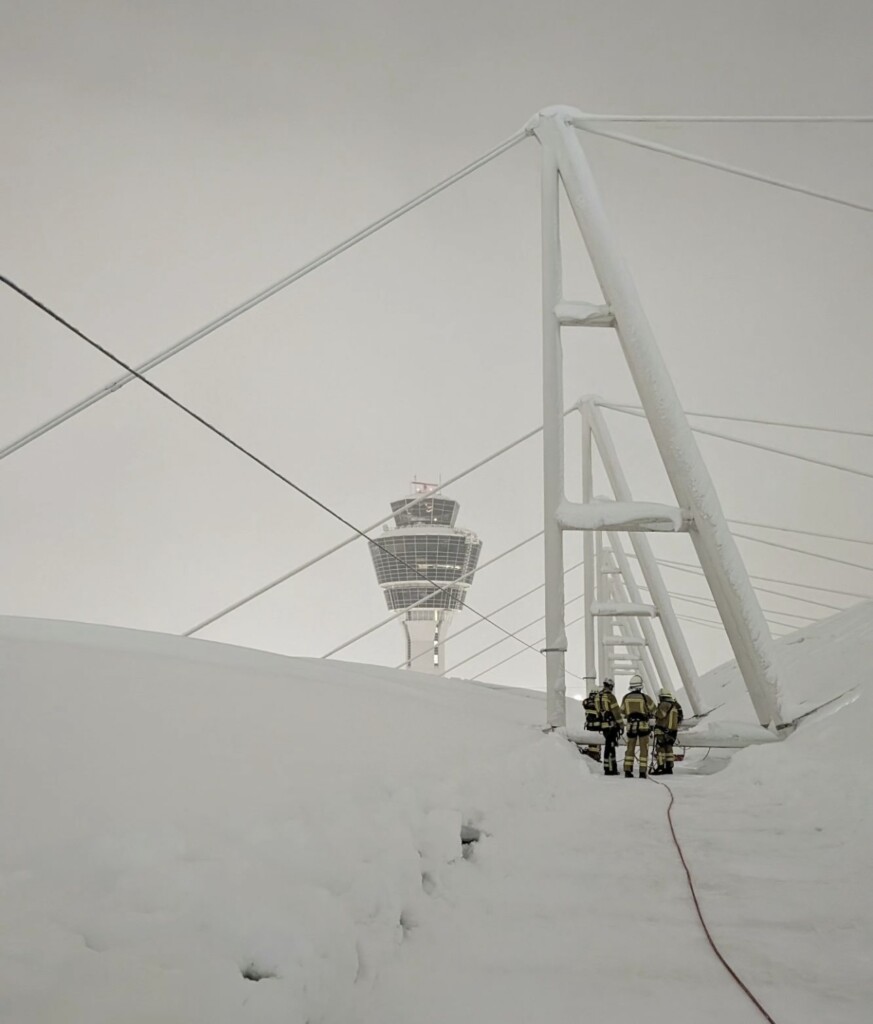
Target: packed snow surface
200,833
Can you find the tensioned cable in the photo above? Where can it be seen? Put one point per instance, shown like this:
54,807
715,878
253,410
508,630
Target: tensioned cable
731,118
806,533
355,536
802,551
244,451
572,622
760,445
710,603
621,406
720,626
541,640
527,625
741,172
502,608
783,451
777,593
349,540
693,598
707,603
483,650
695,570
262,296
427,597
308,564
739,981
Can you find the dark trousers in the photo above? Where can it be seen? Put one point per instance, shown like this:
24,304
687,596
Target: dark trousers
610,738
664,740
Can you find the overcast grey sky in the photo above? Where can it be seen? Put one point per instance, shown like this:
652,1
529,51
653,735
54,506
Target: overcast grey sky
164,160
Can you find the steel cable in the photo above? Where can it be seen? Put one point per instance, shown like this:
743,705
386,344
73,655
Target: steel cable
244,451
718,165
261,296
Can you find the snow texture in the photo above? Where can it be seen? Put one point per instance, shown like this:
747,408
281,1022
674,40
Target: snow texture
199,833
620,515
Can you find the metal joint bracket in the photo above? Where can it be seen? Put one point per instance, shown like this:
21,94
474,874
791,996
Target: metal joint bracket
583,314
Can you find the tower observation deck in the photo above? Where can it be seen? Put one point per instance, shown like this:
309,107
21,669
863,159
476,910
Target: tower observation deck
425,538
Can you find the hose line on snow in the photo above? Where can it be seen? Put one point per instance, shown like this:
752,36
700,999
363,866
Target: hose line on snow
700,916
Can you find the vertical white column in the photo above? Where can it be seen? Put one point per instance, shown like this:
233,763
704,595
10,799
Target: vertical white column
716,549
604,623
553,446
588,551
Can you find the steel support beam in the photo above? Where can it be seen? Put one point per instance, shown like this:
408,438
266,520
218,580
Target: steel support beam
692,485
588,553
553,447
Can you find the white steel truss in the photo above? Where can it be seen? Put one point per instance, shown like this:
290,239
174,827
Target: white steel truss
613,611
635,517
699,512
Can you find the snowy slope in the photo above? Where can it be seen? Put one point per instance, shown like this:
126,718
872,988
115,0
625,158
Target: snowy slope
816,663
180,813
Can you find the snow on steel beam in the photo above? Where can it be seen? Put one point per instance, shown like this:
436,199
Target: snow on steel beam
636,516
583,314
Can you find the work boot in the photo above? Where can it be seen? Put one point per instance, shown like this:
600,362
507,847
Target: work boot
628,775
668,769
642,775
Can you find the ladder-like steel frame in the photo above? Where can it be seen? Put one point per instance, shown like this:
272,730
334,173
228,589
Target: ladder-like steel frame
638,657
596,435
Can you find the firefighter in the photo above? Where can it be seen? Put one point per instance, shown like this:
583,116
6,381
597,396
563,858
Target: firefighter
612,726
638,709
668,718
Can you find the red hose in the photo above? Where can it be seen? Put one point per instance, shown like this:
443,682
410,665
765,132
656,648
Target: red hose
706,931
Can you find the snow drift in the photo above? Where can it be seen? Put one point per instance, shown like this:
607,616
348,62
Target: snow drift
195,832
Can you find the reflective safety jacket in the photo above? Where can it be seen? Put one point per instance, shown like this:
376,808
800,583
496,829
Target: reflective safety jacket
601,710
638,709
610,712
668,715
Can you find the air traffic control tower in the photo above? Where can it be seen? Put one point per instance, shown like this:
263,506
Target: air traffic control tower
425,537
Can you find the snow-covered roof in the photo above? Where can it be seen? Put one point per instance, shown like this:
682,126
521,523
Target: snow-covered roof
182,817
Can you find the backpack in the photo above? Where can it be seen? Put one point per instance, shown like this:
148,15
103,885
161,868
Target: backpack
593,715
